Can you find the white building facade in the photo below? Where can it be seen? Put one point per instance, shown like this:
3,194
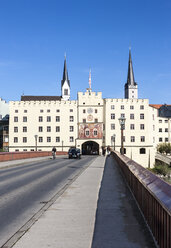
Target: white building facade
4,108
89,123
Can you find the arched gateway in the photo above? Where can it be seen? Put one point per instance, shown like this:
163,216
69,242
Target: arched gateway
90,148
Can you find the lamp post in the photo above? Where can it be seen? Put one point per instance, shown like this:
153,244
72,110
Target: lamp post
114,136
36,136
122,124
62,144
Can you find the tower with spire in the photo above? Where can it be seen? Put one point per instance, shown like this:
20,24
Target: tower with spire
131,87
65,83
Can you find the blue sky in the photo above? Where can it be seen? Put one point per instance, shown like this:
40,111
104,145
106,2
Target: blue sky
35,34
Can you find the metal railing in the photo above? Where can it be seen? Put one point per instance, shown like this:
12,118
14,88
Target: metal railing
153,196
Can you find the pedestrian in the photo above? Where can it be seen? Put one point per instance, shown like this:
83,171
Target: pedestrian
108,151
54,152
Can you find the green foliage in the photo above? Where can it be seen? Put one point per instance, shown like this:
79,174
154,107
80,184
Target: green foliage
161,168
164,148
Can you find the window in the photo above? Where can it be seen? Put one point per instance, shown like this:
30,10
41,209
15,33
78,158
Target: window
123,138
15,129
166,139
96,111
153,127
16,111
160,130
142,126
142,138
112,126
122,106
84,120
131,116
25,110
40,139
48,118
15,119
131,107
112,116
166,130
84,111
99,103
132,126
40,129
71,128
95,132
87,132
71,118
71,110
48,129
65,92
24,150
48,110
166,121
41,110
57,129
48,139
112,106
24,118
141,106
160,139
122,115
160,121
57,110
15,139
57,118
141,116
142,151
153,117
24,129
40,118
95,120
24,139
71,139
16,150
57,139
132,138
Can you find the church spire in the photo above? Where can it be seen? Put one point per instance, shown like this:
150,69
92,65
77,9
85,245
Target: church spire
65,73
131,87
65,83
130,77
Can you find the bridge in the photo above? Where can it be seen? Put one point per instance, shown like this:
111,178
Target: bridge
114,202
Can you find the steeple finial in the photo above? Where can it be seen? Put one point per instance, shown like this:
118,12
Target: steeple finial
90,79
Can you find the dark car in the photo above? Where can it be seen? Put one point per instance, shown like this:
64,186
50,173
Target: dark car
74,153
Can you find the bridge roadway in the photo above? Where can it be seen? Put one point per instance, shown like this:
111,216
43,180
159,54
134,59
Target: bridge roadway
95,210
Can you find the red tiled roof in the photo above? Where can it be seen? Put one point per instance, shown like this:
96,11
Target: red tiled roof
157,106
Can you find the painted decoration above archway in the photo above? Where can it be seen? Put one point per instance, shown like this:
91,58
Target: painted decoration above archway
90,131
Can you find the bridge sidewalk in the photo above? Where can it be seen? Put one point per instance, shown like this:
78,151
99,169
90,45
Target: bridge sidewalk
96,211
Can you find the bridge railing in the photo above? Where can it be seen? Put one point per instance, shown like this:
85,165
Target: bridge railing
153,196
7,156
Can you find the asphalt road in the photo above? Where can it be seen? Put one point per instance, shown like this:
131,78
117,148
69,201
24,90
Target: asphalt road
24,189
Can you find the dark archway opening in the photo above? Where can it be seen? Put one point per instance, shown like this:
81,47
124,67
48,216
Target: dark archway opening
90,148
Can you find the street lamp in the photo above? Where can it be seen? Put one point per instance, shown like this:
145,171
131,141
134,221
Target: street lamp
36,136
122,124
114,136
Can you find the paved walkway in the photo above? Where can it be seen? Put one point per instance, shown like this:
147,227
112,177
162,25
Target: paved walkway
96,211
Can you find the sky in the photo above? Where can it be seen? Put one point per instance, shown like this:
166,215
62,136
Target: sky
96,34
